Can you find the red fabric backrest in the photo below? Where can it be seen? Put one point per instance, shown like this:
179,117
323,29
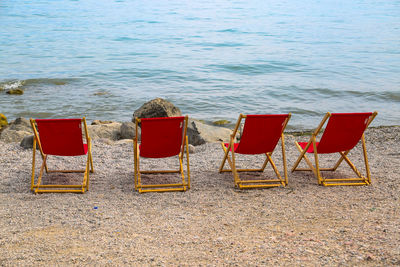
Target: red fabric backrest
261,133
61,137
343,132
161,137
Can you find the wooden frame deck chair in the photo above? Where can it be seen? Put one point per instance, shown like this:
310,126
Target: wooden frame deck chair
162,138
261,134
342,133
60,137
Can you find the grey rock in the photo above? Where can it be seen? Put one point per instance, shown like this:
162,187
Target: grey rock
110,131
12,136
157,108
200,133
20,124
128,130
27,142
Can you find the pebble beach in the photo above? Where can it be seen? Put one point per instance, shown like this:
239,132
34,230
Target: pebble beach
212,224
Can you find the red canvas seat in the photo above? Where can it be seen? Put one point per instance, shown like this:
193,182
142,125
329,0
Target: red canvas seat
342,134
60,137
161,138
261,134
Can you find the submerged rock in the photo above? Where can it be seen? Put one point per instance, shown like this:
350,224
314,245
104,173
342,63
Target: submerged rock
221,122
157,108
15,92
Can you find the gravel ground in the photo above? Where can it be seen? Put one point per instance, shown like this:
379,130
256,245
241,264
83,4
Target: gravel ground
212,224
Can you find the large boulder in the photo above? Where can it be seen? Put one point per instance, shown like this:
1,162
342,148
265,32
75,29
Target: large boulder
157,108
200,133
110,130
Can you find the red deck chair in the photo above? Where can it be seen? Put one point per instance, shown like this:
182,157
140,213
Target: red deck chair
261,134
342,134
162,138
60,137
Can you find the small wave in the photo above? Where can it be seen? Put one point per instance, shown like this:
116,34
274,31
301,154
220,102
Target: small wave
225,44
20,84
125,39
393,96
256,69
46,81
377,95
10,85
228,30
322,92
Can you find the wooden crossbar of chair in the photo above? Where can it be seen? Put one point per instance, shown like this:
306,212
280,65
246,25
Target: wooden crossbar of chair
184,148
38,187
255,183
312,143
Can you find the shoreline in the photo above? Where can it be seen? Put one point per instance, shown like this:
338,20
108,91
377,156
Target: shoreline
210,126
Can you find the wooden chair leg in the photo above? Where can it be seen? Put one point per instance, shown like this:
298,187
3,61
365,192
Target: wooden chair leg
187,161
226,156
366,159
33,164
41,174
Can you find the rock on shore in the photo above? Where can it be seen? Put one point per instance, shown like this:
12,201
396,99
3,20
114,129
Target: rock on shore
157,108
110,131
16,131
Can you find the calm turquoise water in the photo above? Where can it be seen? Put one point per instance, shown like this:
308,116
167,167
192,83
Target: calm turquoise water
213,59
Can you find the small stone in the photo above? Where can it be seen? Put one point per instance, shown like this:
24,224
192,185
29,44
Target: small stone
192,149
369,258
100,93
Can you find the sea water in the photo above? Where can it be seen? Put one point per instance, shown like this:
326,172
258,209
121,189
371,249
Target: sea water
213,59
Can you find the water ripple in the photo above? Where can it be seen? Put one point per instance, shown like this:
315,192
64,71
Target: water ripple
258,69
